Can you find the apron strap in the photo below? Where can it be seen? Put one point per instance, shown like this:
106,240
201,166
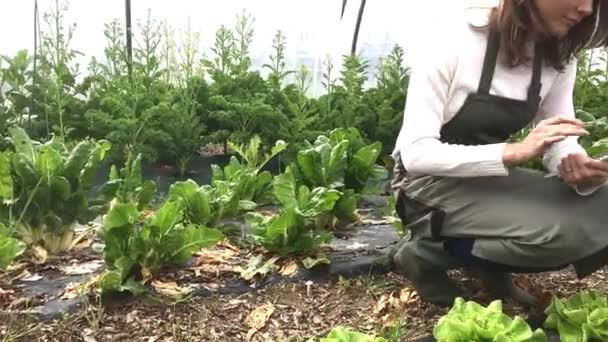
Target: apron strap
489,65
536,85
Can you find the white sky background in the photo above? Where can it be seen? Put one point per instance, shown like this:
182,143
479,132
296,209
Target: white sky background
312,27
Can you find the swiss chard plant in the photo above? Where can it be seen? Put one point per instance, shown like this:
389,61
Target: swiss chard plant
341,161
581,318
127,185
209,205
470,321
50,186
245,180
135,251
296,229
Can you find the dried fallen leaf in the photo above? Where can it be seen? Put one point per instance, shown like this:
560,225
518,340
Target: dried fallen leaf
5,292
226,243
39,255
408,295
257,319
309,262
84,268
171,289
216,256
72,290
16,267
31,277
75,290
257,265
82,241
132,316
289,269
387,304
88,335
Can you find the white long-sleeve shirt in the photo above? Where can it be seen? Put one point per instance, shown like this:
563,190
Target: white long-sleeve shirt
441,81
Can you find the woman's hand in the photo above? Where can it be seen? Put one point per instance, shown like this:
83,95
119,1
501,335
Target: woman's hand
583,171
545,134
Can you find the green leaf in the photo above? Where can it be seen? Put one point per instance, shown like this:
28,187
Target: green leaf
362,165
109,190
282,229
110,281
113,176
598,148
310,164
90,169
169,214
321,200
133,174
10,248
77,160
346,206
60,188
122,214
284,188
470,321
145,194
581,317
6,180
23,145
335,167
195,238
25,171
196,200
584,115
245,205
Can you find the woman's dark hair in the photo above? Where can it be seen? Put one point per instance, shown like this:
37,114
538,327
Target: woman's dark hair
519,22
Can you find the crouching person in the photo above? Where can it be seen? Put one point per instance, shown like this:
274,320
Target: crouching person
461,189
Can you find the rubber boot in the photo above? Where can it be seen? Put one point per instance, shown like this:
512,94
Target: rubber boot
425,263
501,286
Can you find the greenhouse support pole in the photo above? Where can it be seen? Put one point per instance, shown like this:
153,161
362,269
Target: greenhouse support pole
353,49
34,73
129,35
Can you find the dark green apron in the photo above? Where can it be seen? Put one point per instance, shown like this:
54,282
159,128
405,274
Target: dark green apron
522,222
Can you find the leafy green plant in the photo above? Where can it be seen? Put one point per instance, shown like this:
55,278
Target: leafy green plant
341,334
210,205
581,318
127,185
470,321
198,202
135,251
343,162
297,228
50,186
246,181
10,248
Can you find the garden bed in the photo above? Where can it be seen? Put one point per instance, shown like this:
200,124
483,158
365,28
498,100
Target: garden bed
299,310
209,299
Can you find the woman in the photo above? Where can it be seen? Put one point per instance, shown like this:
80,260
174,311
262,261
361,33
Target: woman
502,66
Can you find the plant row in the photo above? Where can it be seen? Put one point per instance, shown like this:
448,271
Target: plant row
173,97
47,188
